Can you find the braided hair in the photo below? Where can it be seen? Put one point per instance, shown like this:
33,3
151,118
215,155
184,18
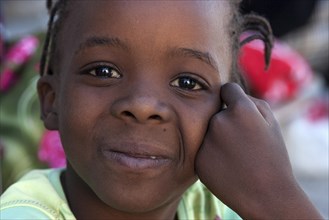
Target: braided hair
259,28
239,24
56,16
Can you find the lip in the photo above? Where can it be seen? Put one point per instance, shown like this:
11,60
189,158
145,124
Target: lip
136,157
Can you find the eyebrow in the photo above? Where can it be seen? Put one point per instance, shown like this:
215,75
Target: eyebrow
96,41
193,53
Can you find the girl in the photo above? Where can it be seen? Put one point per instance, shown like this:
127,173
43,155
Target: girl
140,92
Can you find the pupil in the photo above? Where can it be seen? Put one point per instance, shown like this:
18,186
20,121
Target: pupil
103,71
186,83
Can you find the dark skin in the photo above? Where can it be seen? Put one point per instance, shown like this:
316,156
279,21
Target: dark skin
133,100
261,184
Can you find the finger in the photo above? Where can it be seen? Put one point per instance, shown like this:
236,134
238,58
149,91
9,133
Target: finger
265,110
232,93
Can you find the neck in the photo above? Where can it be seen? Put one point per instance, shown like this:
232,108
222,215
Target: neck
85,204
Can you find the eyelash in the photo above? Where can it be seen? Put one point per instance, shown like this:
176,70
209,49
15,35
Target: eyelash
191,83
111,72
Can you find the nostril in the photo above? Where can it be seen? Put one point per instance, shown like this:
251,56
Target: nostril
128,114
155,117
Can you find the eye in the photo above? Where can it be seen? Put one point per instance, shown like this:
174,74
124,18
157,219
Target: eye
187,83
104,72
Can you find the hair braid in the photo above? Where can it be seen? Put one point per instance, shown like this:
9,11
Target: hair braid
263,30
53,10
259,29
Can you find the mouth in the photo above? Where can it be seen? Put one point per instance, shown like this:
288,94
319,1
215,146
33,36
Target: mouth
136,158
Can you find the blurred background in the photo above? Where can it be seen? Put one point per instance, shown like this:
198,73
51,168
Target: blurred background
295,85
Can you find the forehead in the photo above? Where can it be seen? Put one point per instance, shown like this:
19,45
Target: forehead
160,24
193,10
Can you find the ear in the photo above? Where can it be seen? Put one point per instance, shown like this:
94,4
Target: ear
48,102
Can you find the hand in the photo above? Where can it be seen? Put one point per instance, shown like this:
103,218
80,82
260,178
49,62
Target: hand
244,162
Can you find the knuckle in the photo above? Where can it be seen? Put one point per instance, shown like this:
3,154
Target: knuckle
241,107
264,103
261,103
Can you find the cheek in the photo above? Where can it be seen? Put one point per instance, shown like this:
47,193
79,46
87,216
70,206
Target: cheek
77,118
195,126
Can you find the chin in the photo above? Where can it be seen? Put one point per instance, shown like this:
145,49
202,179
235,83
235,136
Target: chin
140,203
146,196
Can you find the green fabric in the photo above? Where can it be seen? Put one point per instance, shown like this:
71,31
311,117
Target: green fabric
39,195
199,203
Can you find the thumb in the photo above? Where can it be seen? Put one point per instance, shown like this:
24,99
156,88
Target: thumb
231,93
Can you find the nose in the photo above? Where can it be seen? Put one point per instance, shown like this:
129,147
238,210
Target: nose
139,108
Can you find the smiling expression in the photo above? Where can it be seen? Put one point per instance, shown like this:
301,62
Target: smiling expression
137,84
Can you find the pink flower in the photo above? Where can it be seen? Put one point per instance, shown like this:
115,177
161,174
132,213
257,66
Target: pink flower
51,150
22,51
17,56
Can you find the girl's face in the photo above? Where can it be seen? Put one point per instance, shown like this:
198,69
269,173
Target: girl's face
138,83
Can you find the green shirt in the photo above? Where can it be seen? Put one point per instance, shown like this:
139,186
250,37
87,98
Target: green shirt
39,195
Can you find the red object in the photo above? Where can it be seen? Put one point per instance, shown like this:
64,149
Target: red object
287,74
